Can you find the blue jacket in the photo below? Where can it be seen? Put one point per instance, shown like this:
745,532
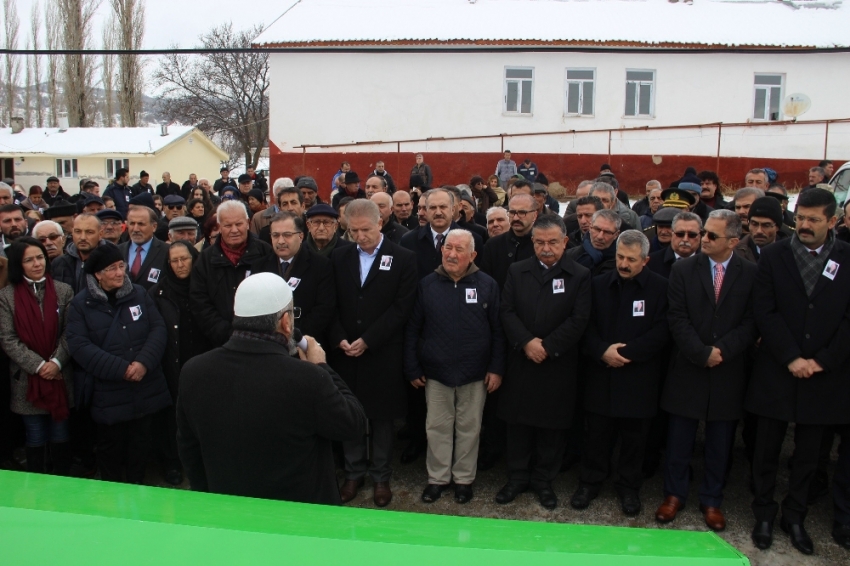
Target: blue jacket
104,340
454,334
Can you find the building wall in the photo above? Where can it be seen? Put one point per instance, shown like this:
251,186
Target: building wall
359,97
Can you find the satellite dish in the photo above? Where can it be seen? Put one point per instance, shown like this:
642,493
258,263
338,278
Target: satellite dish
796,105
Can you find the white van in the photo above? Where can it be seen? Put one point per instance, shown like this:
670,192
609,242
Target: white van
841,184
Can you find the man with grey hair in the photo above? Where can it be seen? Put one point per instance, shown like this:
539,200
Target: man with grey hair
624,344
375,289
757,179
457,313
266,432
642,206
598,249
167,187
7,194
51,236
608,195
714,330
685,242
744,199
236,254
817,175
497,221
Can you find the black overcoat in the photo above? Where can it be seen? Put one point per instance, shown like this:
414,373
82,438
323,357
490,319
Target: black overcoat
543,395
376,312
632,312
501,252
793,326
428,257
697,323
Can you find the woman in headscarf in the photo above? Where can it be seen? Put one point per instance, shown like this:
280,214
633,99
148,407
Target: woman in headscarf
186,339
32,333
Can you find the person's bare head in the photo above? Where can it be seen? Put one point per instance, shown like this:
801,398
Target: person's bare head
756,178
402,205
384,203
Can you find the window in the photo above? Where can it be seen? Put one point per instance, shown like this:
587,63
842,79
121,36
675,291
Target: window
518,82
66,168
768,97
580,91
113,165
640,95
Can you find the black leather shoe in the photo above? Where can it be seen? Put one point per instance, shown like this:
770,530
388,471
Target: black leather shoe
799,537
463,493
763,535
433,492
546,496
583,496
509,492
841,534
818,487
173,476
412,452
630,504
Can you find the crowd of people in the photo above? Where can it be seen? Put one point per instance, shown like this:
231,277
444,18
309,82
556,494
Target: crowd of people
252,338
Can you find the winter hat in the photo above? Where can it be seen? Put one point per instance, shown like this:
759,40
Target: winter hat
144,199
102,257
257,194
766,207
307,183
260,295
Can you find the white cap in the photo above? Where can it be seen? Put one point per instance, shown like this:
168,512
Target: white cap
261,294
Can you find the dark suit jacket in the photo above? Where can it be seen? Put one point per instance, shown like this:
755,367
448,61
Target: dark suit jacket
428,257
501,252
375,312
155,261
630,391
794,325
166,189
394,231
661,261
698,323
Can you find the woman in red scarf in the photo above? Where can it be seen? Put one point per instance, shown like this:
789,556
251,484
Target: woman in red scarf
32,333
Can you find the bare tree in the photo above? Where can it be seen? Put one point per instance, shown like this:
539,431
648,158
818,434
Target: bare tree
12,65
130,20
28,86
76,19
107,69
35,34
224,94
53,35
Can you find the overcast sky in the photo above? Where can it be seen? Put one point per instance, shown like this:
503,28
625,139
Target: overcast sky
178,22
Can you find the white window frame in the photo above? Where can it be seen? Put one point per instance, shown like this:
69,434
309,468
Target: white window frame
506,80
580,82
652,93
67,164
113,164
768,98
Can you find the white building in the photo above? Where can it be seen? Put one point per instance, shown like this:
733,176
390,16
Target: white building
569,83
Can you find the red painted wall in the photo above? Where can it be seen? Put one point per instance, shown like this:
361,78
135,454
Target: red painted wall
632,171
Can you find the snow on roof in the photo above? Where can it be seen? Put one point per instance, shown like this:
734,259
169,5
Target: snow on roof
647,23
81,142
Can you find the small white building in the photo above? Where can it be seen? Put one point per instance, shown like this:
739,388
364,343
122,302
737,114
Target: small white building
650,86
31,155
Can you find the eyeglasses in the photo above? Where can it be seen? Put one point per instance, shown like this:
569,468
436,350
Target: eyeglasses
29,260
175,206
608,233
765,225
712,236
520,213
286,235
120,266
51,237
322,222
691,235
296,312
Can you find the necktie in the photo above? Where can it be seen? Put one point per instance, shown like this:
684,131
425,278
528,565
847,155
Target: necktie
718,280
439,241
814,254
284,265
137,263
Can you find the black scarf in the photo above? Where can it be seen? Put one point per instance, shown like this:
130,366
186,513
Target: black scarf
178,289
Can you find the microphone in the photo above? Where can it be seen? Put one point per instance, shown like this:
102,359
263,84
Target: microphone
298,336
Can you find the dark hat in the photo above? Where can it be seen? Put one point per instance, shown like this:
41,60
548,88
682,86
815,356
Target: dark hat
109,213
538,188
694,188
59,209
144,199
223,169
102,257
664,216
778,196
257,194
321,209
689,178
678,198
605,167
351,177
174,199
182,223
766,207
52,178
144,173
245,178
229,189
91,198
467,198
307,183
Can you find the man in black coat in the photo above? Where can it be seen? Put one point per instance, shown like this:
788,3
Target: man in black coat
599,247
624,343
802,307
266,432
221,268
309,275
375,289
685,242
427,242
144,255
545,309
143,186
391,229
711,321
167,187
